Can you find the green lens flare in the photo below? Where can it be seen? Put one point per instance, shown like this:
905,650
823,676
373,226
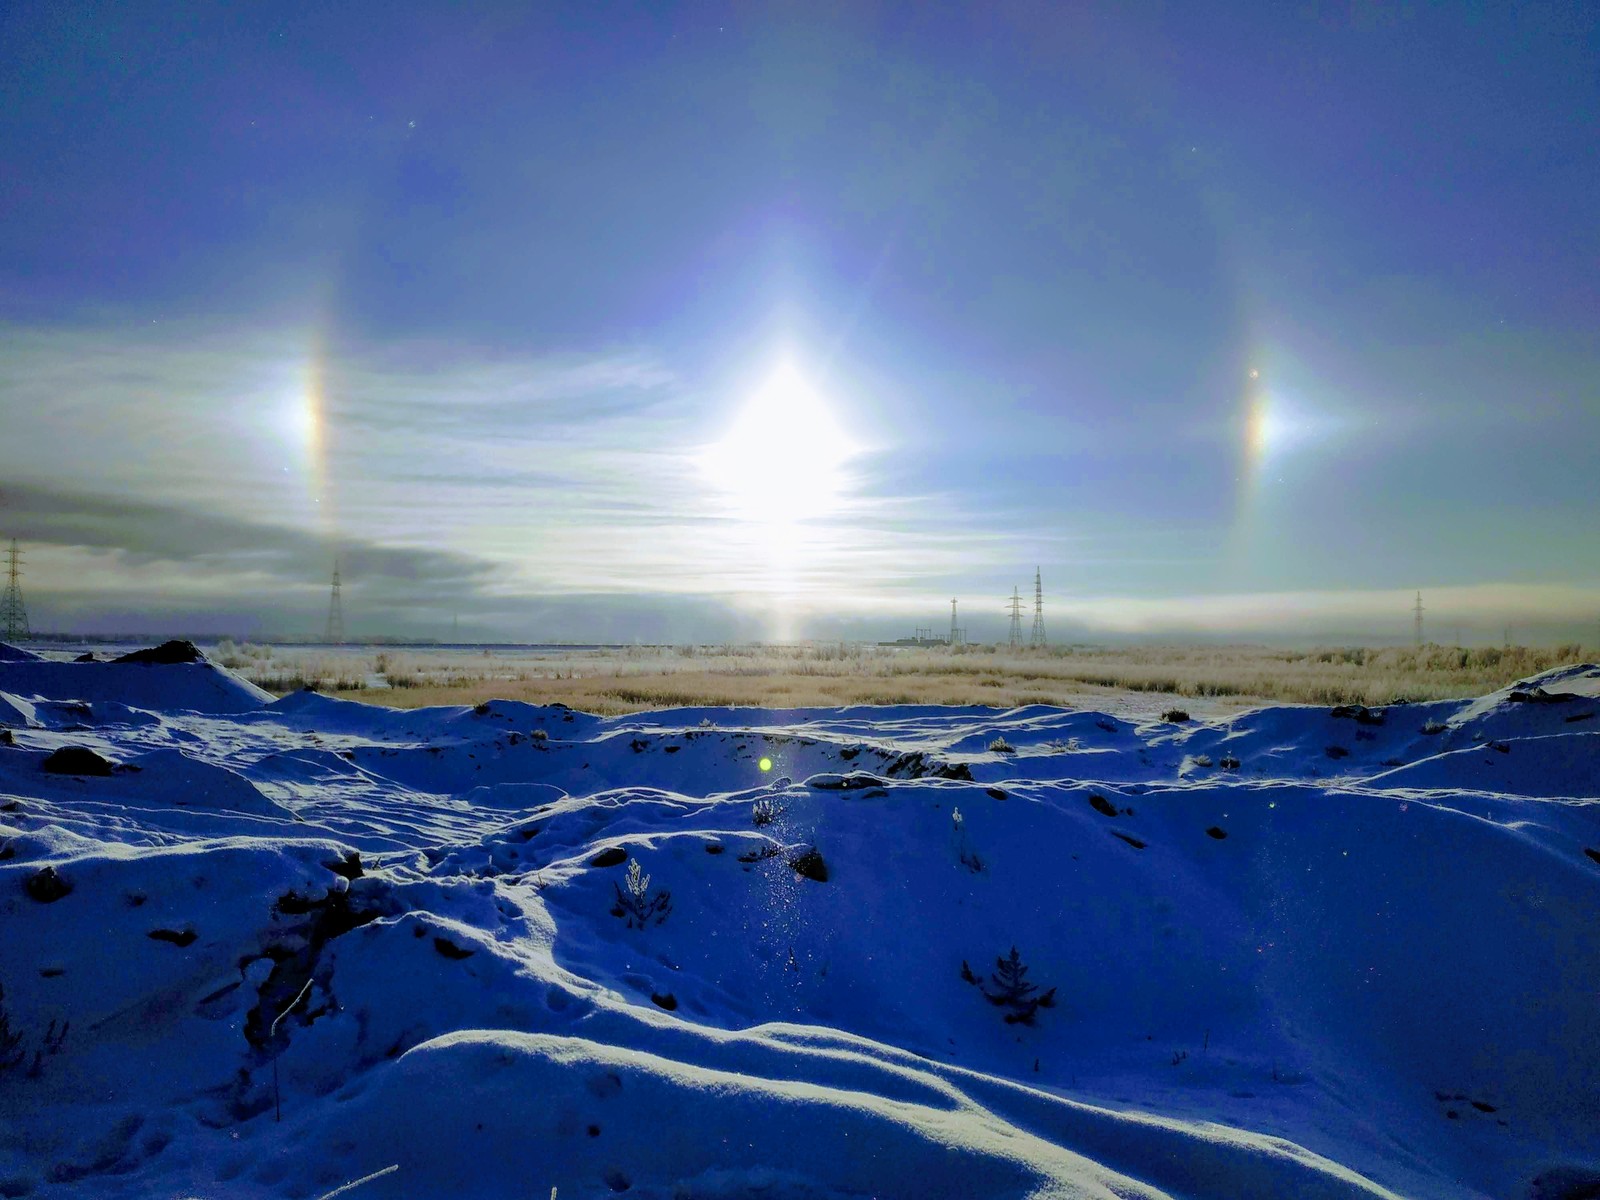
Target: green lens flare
765,764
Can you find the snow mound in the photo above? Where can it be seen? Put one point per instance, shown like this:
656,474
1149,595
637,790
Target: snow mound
198,687
833,953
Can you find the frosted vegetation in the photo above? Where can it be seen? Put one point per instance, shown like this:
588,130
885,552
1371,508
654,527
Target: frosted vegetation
826,675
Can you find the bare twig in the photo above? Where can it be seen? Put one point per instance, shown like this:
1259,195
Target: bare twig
355,1183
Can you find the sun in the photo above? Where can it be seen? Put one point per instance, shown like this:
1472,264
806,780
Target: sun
782,461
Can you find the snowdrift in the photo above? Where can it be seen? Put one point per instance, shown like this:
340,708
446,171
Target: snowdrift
262,948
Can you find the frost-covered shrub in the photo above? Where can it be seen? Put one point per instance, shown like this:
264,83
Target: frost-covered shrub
763,811
1175,716
1001,746
965,854
635,903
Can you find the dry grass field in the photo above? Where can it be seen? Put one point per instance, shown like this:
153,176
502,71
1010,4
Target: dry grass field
636,679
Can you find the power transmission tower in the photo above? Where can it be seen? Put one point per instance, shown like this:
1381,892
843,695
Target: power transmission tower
334,635
13,612
1016,619
1038,609
955,633
1417,616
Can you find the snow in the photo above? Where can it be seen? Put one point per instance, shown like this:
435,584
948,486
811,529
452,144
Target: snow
1295,952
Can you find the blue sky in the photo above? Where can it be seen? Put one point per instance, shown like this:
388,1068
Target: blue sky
1239,321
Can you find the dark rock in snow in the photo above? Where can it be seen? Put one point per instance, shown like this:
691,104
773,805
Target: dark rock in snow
1101,805
1538,695
1216,831
450,950
167,653
178,937
1592,853
668,1001
1130,839
1359,713
349,866
809,863
89,657
47,886
1336,752
76,760
613,857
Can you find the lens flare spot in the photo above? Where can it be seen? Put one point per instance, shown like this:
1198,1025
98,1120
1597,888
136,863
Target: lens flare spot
765,764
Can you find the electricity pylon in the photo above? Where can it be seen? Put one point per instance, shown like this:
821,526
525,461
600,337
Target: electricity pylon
13,612
1038,609
334,635
1016,619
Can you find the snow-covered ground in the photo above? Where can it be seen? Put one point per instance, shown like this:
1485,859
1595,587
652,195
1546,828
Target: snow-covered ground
1288,953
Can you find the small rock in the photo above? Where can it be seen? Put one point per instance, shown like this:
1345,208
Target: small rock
668,1001
613,856
176,651
1216,831
809,864
178,937
47,886
450,950
1101,805
76,760
349,866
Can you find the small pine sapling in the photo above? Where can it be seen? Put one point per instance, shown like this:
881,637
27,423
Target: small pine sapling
11,1051
1012,990
636,905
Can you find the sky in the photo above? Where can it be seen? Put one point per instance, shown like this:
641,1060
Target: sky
715,321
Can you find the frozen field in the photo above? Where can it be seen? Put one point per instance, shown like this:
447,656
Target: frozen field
260,948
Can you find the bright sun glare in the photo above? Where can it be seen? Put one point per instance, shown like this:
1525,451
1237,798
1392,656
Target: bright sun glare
782,461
